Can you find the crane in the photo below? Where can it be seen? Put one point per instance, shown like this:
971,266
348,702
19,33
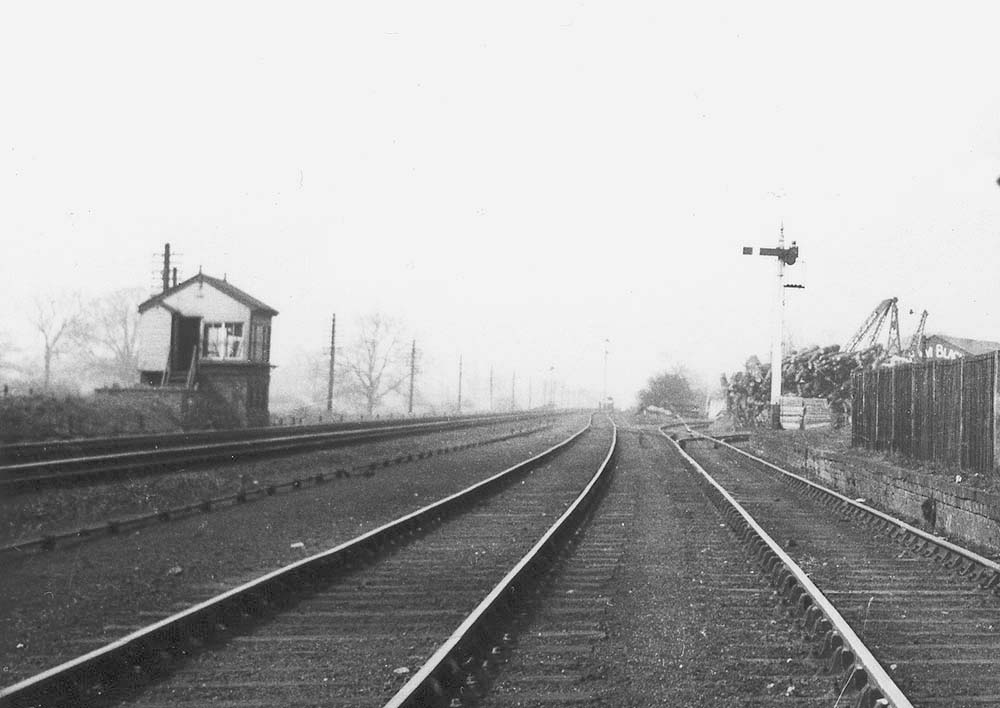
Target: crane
872,325
916,349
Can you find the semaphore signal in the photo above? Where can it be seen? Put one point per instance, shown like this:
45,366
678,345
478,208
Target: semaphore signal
784,256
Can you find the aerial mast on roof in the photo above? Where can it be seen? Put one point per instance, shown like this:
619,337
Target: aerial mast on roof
166,267
164,271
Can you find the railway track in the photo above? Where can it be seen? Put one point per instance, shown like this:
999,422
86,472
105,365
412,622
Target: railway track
38,451
160,454
119,524
355,615
868,612
600,635
928,610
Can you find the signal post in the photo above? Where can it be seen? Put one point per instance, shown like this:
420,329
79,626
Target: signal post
784,256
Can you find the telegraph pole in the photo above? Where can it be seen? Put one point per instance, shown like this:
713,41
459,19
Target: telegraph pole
784,256
413,369
333,355
459,383
491,387
604,395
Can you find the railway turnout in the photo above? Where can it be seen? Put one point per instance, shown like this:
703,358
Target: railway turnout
601,571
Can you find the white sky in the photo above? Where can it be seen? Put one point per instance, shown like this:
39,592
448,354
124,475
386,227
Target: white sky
516,181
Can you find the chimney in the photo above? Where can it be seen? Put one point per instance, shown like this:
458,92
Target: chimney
175,278
166,267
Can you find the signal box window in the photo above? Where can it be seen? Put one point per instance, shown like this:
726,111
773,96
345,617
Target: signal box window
260,342
222,340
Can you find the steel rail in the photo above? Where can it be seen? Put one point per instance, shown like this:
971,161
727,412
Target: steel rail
841,645
122,524
462,665
148,652
32,475
157,444
687,424
35,451
979,568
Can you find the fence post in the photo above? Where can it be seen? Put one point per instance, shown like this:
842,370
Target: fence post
932,417
961,408
914,443
893,442
869,411
873,383
881,403
857,409
995,417
868,420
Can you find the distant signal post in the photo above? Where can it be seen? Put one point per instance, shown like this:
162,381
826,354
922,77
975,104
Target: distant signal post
333,356
784,256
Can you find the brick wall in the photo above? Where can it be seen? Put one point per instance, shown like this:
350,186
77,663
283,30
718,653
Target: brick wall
931,501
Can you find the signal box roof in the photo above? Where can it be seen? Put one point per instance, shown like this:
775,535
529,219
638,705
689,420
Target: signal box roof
223,286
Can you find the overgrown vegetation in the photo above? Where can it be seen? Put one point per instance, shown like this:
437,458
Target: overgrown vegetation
671,391
41,417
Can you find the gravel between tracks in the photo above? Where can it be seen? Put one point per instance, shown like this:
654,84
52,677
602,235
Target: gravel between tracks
938,636
354,643
55,510
57,605
657,606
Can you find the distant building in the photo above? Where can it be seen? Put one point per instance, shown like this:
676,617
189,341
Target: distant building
208,335
943,346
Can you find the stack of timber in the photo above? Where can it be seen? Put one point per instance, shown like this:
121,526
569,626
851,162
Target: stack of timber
814,373
798,413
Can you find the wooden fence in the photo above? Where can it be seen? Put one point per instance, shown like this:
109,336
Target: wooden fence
940,410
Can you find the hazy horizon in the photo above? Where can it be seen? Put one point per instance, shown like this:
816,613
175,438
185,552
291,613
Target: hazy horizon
517,183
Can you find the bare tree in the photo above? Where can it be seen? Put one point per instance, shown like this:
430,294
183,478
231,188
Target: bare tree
375,360
55,319
7,365
6,349
106,334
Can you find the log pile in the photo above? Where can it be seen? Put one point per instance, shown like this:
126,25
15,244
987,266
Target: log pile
815,372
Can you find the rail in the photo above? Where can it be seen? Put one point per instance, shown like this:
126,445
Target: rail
842,646
36,451
149,652
462,664
978,568
122,524
34,475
